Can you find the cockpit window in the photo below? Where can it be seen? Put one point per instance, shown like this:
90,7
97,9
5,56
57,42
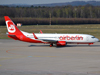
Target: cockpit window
93,37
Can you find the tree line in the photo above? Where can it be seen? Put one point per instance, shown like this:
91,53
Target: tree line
67,14
87,11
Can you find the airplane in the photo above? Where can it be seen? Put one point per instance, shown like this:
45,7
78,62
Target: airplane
58,39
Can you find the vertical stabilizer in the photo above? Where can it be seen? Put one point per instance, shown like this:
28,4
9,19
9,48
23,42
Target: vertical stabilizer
11,27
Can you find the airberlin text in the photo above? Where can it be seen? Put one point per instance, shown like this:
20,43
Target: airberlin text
77,37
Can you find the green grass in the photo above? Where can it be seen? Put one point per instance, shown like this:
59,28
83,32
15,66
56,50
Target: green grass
92,29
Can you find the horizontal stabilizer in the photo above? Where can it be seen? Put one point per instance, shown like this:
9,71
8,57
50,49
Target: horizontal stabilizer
13,36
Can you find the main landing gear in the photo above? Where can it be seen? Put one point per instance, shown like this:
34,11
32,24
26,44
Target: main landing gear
51,44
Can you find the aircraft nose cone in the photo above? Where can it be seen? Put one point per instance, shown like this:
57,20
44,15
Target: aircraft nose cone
97,40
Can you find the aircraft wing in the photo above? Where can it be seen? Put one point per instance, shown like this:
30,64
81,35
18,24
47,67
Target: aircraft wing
46,40
49,40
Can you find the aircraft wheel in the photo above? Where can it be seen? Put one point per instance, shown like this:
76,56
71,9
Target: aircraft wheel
51,44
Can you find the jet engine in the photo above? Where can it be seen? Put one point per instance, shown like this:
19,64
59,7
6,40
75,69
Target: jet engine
61,43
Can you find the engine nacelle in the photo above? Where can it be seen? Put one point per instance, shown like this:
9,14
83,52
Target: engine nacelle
61,43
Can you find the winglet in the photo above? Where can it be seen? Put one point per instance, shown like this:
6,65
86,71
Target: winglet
35,36
41,32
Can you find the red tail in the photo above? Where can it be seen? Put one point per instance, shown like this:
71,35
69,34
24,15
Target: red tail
16,34
12,28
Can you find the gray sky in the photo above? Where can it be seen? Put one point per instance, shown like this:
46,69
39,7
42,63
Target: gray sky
37,1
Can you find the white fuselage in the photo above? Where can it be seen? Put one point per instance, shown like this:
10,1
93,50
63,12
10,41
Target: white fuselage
69,38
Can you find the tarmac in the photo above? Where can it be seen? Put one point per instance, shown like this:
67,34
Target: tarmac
21,58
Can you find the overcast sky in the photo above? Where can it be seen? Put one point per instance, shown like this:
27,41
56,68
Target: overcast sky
37,1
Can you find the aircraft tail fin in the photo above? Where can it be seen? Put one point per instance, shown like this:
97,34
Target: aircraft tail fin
13,31
11,27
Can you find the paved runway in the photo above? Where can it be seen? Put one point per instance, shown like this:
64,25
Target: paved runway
21,58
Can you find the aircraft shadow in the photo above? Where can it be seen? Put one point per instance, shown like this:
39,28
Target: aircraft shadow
65,46
38,46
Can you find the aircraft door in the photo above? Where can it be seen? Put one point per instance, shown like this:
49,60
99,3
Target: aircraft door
56,37
87,38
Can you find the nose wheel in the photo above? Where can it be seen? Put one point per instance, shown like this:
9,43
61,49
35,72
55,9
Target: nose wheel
51,44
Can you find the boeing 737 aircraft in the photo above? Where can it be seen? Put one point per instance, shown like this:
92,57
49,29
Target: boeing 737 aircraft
58,39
